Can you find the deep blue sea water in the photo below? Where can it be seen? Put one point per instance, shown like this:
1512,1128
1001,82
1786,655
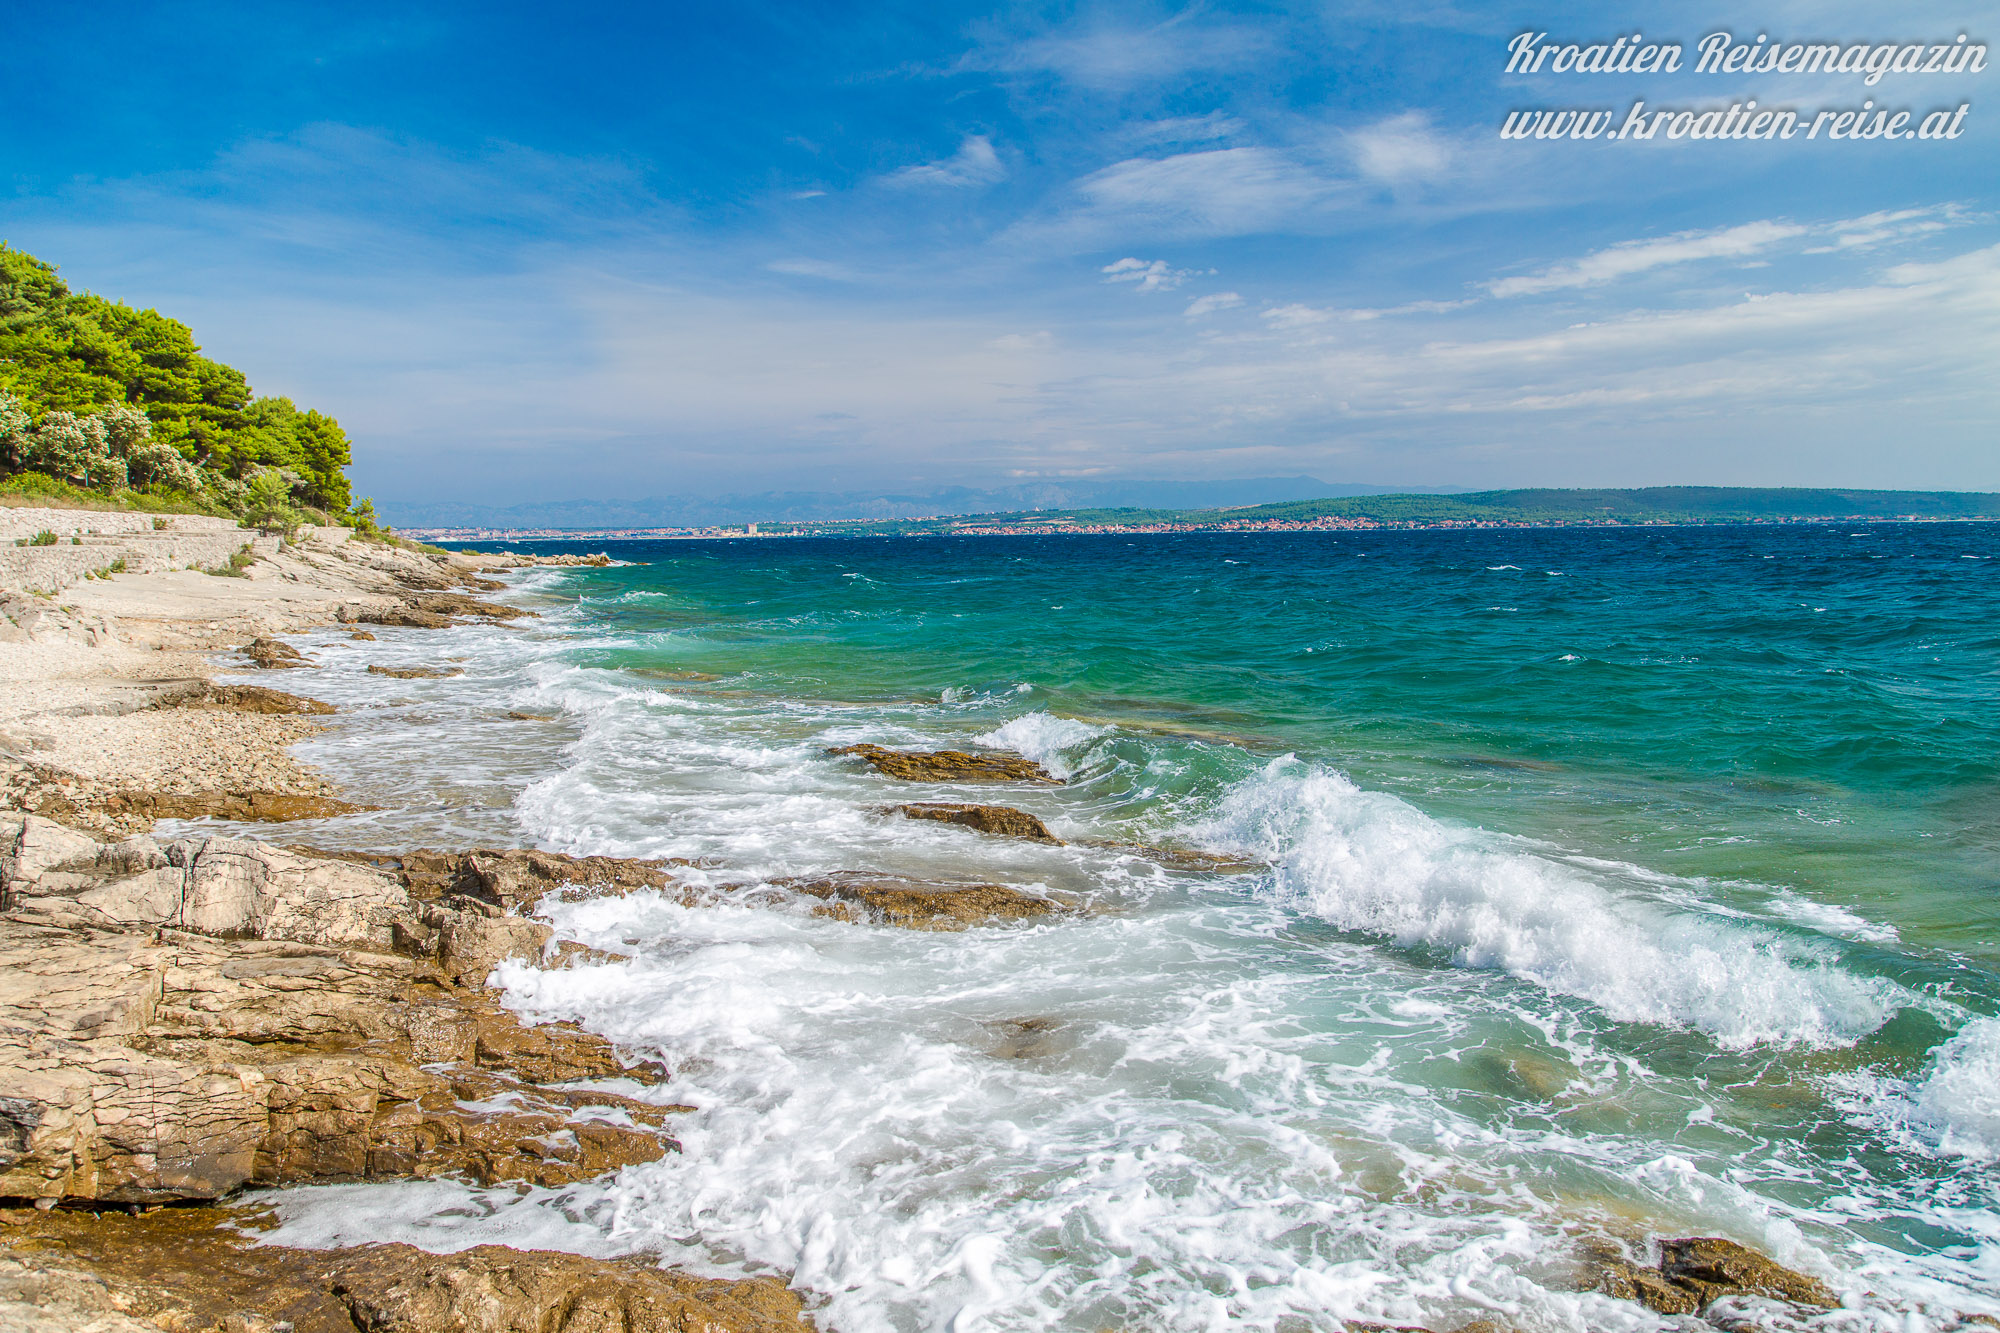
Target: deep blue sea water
1614,883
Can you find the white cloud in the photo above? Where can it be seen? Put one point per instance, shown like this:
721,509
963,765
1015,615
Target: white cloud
1185,129
1203,305
1400,149
1150,275
1295,316
1219,192
1885,227
1106,57
1629,257
974,164
812,268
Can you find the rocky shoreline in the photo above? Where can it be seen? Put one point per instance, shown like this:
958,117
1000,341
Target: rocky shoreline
187,1022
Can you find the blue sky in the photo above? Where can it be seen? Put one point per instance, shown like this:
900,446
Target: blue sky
530,253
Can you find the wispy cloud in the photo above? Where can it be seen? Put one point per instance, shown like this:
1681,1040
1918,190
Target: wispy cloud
1185,129
1888,227
974,164
1107,56
1206,305
1148,275
1220,192
813,268
1630,257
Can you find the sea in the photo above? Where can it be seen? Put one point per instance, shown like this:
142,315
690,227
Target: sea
1448,903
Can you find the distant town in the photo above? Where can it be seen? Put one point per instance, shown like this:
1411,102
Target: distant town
1662,506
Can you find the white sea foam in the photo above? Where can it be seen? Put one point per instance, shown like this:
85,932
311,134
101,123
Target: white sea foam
1951,1110
1051,741
1370,862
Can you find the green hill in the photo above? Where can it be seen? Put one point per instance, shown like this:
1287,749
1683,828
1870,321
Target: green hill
1652,504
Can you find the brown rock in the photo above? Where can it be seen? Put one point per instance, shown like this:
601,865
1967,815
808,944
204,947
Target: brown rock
415,673
257,699
1628,1281
397,1289
274,654
920,905
1712,1266
530,717
191,1268
180,1020
948,765
458,604
263,807
405,616
363,635
1696,1271
1003,820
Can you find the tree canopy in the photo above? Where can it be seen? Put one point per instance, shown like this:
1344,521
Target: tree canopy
64,351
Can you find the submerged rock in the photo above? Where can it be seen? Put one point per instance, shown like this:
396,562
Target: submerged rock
949,765
416,673
1003,820
919,904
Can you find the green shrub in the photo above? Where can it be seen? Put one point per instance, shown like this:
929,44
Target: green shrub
42,538
238,563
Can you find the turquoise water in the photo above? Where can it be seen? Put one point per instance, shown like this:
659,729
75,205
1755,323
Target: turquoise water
1620,882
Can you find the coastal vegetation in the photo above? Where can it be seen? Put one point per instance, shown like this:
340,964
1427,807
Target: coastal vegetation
106,405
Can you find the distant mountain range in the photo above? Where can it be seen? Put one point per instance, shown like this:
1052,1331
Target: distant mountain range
821,506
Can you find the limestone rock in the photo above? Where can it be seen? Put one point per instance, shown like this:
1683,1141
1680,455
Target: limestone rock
458,604
257,699
143,1067
1711,1266
919,904
262,807
514,879
493,1289
213,886
1003,820
1695,1272
948,765
192,1268
275,654
403,615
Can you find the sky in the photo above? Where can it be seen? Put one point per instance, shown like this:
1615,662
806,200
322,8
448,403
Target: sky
528,253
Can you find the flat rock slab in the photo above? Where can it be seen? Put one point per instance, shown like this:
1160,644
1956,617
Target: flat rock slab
259,807
1002,820
949,765
921,905
191,1268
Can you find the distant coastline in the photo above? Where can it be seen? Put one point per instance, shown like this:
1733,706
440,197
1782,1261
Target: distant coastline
1659,506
